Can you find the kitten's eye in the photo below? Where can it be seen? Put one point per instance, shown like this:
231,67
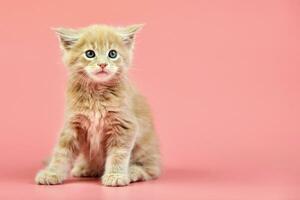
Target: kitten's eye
113,54
90,54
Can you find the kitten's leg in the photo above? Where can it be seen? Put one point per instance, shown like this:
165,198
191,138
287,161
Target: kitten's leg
61,161
144,171
145,161
119,146
116,167
83,168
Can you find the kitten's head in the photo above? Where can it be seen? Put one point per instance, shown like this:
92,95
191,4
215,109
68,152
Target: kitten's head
99,53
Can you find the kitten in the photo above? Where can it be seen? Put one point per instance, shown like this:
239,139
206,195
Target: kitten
108,130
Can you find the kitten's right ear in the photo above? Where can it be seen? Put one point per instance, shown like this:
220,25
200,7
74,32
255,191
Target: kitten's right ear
128,34
67,37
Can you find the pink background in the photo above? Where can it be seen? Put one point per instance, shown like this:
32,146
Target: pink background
222,78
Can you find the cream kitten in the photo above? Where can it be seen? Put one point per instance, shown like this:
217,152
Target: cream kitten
108,130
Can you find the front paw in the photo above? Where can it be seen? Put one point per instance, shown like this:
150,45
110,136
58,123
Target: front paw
114,179
46,177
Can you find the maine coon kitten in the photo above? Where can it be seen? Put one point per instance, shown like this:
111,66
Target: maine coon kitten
108,129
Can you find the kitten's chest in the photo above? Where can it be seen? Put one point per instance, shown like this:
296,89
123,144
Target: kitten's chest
98,114
97,121
94,134
100,120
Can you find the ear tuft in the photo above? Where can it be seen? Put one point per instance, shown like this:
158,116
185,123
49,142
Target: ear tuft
128,33
67,37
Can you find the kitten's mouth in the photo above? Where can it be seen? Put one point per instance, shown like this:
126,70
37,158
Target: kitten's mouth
99,75
102,74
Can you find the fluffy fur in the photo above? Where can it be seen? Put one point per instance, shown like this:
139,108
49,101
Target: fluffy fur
108,129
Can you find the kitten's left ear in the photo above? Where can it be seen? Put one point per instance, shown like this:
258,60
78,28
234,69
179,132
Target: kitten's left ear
67,37
128,34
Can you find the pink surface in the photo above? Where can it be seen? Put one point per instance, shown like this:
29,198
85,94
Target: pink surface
222,78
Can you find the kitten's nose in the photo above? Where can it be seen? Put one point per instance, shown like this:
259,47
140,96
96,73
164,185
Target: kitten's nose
102,65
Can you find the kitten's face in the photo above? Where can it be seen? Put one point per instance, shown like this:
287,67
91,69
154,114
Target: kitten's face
99,53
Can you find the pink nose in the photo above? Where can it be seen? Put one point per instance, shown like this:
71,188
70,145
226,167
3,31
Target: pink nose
102,65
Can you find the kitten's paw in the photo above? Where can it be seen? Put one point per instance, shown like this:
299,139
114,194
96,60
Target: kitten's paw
137,173
113,179
46,177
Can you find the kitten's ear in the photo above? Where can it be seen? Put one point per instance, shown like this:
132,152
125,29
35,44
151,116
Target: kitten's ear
67,37
128,33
